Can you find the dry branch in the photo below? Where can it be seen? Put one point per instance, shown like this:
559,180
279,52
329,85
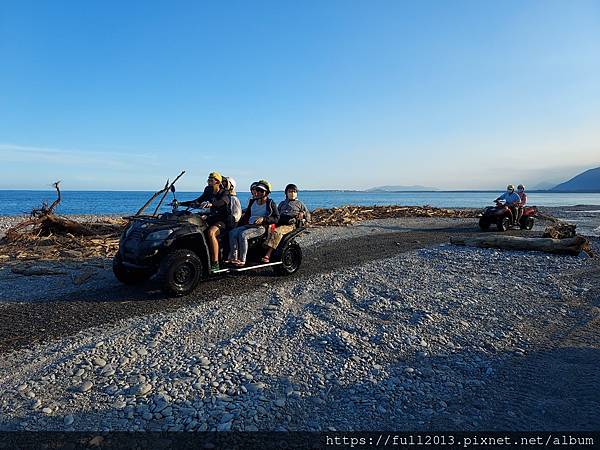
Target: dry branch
45,235
347,215
569,246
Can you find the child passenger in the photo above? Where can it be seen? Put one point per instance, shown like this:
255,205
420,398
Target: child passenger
290,208
261,212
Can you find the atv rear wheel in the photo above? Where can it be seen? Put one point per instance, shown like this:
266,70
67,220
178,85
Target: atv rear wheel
127,275
484,224
503,224
291,258
180,272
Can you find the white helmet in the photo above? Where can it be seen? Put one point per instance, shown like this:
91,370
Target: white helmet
510,187
231,182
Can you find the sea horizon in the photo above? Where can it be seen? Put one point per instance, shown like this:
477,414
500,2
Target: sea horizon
78,202
529,191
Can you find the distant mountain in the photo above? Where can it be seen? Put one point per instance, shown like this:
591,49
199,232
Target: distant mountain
401,188
544,186
588,181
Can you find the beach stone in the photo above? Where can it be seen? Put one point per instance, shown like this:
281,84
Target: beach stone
85,386
99,362
224,426
141,389
68,420
204,361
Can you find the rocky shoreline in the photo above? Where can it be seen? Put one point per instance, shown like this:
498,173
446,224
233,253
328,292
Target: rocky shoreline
427,338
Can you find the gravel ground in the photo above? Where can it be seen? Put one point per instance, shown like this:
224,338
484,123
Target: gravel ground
387,336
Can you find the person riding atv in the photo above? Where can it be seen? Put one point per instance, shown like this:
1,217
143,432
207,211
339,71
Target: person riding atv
217,198
508,213
511,199
172,248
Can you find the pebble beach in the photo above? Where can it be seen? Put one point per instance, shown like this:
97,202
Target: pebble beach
421,340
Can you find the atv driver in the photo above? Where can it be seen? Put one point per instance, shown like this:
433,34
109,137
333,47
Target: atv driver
512,200
217,198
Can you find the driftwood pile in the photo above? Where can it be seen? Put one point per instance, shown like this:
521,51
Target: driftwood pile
560,230
559,237
568,246
348,215
45,235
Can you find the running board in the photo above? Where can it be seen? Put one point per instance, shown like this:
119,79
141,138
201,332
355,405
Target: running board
241,269
259,266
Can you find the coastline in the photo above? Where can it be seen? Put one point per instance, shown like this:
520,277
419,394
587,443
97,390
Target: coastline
410,334
587,217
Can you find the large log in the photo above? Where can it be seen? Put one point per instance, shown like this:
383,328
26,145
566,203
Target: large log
570,246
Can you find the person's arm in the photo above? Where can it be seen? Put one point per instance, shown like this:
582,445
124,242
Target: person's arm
306,212
273,217
246,216
206,195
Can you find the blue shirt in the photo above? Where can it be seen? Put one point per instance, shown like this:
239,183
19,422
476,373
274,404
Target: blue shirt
510,198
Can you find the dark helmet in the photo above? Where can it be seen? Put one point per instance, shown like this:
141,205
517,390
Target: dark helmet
291,187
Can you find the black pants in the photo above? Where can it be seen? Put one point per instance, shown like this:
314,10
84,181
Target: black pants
515,213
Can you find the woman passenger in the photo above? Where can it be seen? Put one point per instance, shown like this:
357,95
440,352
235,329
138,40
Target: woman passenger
260,214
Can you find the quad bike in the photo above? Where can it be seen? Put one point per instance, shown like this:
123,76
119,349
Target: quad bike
172,248
502,216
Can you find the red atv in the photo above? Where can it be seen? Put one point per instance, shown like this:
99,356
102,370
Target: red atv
503,217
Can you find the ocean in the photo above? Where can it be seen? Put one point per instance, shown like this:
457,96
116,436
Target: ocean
17,202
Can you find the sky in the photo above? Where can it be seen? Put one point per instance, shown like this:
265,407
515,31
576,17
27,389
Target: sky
348,94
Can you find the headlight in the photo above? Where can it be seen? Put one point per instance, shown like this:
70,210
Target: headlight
159,235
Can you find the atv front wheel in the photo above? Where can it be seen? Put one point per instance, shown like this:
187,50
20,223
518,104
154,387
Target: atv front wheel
180,272
291,258
503,224
484,224
127,275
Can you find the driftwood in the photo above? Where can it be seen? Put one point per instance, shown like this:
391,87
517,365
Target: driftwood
560,230
43,222
44,235
569,246
347,215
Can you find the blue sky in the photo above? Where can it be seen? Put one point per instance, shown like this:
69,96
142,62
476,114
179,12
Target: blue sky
327,94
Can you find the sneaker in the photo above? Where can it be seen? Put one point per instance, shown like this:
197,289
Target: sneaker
214,267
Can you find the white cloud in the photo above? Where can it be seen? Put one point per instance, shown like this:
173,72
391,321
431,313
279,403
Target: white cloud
67,157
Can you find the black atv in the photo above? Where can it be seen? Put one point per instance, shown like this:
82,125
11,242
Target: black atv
172,248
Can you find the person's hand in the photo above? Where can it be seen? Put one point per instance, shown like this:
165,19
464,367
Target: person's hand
205,205
301,216
259,221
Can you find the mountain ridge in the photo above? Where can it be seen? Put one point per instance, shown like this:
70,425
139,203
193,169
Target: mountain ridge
587,181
